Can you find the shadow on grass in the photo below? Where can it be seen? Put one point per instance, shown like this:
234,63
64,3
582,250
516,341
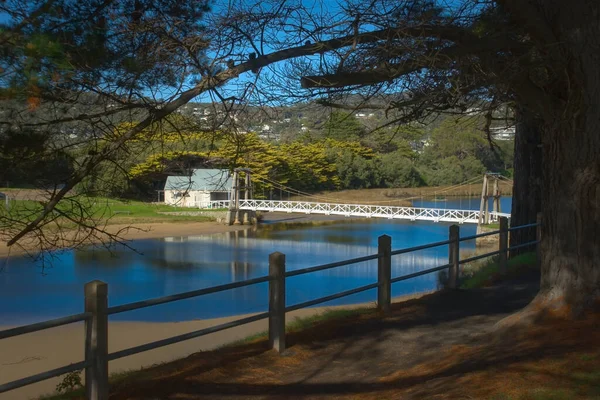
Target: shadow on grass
342,355
251,370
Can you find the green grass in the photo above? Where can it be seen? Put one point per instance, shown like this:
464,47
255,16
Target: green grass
493,226
114,378
488,273
588,357
104,210
539,394
75,394
299,324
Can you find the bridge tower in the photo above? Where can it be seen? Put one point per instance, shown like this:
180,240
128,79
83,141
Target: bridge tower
490,181
240,186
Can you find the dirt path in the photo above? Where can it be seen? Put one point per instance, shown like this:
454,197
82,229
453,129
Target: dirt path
351,358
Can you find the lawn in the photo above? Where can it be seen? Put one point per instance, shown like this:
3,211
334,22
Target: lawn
478,275
398,196
103,211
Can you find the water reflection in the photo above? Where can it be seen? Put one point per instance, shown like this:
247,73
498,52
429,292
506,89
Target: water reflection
177,264
462,203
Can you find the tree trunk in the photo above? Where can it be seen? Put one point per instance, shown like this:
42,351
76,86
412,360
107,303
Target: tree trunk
571,152
527,184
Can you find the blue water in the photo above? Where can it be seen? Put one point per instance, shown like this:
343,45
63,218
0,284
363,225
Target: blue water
462,203
30,292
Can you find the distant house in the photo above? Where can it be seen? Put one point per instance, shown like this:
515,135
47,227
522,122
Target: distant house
202,186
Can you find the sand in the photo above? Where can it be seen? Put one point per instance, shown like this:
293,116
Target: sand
144,231
37,352
181,228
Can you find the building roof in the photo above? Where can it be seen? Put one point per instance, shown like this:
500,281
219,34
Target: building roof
211,180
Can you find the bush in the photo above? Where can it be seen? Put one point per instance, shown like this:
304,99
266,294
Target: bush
70,382
399,171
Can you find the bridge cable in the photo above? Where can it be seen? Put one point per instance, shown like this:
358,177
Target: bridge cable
296,192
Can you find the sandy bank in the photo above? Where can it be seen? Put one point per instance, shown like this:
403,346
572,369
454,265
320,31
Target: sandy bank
41,351
168,229
144,231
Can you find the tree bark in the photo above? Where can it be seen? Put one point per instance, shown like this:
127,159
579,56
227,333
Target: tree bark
527,181
571,153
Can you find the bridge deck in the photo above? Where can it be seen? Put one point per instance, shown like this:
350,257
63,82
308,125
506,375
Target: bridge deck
358,210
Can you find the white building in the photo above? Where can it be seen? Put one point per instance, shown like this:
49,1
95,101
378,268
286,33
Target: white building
203,186
503,133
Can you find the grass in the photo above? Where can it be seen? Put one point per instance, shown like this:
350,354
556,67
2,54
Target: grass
79,393
399,196
549,361
488,273
538,394
581,384
493,226
106,211
297,325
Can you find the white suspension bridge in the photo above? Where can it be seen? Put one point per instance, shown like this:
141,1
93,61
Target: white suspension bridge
483,215
358,210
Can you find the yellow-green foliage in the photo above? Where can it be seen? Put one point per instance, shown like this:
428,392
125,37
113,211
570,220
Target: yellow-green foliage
158,163
172,129
353,146
304,166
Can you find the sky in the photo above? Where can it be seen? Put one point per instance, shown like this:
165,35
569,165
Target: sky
220,8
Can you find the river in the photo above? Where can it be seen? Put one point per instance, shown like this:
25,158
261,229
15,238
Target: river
30,293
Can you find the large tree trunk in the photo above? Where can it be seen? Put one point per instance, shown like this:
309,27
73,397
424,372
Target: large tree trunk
527,184
571,152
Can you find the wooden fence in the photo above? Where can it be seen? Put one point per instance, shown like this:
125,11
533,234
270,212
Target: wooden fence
96,309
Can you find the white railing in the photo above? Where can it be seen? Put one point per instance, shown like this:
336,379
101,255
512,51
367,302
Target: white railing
215,204
359,210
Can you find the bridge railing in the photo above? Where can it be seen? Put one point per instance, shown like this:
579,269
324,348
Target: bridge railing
368,211
96,309
213,204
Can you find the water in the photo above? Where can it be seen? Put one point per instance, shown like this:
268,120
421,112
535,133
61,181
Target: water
462,203
166,266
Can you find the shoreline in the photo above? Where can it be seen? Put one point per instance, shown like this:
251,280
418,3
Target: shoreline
157,230
44,350
137,231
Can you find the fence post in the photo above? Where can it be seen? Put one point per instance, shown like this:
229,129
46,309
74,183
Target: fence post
277,301
96,341
538,238
503,246
384,274
453,256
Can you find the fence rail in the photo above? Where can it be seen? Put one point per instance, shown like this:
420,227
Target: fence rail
96,310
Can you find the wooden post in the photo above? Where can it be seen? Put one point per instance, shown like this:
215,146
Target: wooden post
247,194
277,301
96,341
498,196
233,191
496,199
384,274
453,256
503,246
538,238
483,205
236,220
